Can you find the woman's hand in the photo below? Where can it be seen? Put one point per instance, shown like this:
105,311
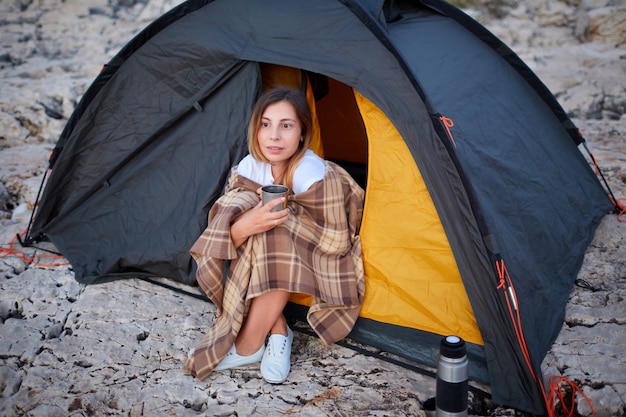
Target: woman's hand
258,219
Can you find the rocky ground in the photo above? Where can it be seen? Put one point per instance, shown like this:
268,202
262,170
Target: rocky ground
118,348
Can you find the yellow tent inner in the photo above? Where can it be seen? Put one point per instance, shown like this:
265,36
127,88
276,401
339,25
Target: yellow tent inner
411,276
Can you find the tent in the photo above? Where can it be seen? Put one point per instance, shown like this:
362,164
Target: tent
479,204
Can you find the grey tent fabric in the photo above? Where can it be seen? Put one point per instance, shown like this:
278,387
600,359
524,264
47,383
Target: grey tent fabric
149,146
530,164
140,177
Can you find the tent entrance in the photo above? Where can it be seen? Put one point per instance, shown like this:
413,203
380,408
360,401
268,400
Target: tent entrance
404,244
343,134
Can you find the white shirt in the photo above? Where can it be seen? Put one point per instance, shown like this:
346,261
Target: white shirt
310,169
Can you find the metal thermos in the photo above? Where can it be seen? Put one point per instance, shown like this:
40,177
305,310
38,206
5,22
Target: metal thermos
452,378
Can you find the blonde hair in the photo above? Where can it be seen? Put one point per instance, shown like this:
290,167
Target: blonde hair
298,100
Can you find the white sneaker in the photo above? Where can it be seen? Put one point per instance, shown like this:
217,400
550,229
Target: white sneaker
276,361
234,360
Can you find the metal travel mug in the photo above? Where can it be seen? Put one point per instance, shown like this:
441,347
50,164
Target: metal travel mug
452,378
272,192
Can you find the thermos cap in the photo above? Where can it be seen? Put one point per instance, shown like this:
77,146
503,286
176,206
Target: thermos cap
452,347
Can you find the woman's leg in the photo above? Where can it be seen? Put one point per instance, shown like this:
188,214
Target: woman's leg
265,316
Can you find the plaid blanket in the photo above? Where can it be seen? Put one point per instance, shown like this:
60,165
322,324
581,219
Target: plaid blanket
317,251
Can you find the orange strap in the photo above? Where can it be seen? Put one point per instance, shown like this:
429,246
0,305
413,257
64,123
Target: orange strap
556,382
44,260
566,397
506,285
448,123
620,203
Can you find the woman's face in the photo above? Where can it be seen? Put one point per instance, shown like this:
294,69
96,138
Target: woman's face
279,133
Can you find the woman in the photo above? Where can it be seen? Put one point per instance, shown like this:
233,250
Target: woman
311,247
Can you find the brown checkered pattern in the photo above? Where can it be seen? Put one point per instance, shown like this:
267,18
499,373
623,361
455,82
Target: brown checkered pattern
317,251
